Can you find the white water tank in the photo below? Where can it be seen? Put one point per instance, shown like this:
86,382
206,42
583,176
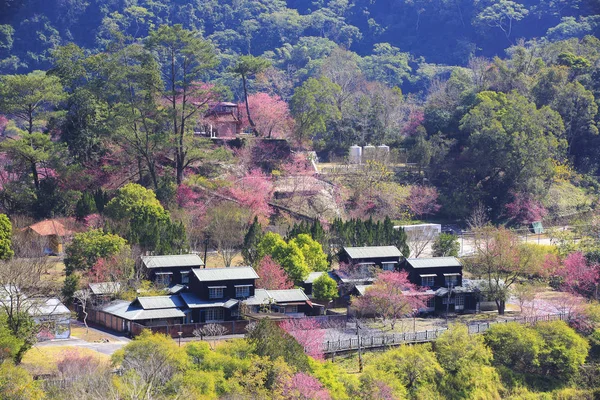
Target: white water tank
383,153
369,153
355,154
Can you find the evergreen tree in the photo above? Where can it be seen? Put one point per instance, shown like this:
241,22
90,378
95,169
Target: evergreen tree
85,206
251,240
6,251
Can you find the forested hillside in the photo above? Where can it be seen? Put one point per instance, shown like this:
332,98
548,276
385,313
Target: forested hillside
444,31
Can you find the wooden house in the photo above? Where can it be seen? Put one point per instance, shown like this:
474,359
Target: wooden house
385,257
222,120
148,311
291,302
214,294
171,270
443,275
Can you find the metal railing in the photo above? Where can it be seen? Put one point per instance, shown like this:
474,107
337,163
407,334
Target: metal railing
396,339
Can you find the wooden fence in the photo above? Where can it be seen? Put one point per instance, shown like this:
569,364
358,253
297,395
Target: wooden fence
374,342
187,330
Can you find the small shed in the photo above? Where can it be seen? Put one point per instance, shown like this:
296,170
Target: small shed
53,231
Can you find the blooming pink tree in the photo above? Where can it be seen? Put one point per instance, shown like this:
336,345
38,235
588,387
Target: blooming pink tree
309,333
391,297
186,197
3,123
272,275
254,190
299,164
415,119
579,276
75,364
301,386
525,209
271,115
422,200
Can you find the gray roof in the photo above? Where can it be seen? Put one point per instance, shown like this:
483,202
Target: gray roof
366,277
157,302
176,289
47,307
125,310
434,262
105,287
361,289
263,296
224,274
313,276
373,252
172,261
193,301
289,295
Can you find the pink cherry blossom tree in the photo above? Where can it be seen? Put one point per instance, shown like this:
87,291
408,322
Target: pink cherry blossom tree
422,200
272,275
254,191
415,119
301,386
3,123
271,115
524,209
391,297
309,333
579,276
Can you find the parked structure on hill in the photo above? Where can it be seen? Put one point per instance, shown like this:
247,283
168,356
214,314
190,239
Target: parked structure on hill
52,231
222,120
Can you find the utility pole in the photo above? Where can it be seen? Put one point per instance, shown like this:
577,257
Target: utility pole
360,361
206,241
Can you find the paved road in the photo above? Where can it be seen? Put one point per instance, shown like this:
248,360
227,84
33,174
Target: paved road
104,348
116,343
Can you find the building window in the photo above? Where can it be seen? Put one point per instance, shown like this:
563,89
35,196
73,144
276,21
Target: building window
459,302
215,292
427,281
291,309
242,291
388,266
451,280
163,278
185,277
431,302
214,314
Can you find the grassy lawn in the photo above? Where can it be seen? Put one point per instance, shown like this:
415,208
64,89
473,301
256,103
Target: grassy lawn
56,271
79,332
43,360
214,260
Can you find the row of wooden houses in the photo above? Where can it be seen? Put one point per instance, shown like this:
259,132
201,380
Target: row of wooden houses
200,295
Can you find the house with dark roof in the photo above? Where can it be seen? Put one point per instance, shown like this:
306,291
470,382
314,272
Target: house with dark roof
443,275
171,270
387,258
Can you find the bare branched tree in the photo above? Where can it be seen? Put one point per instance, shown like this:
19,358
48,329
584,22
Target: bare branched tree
478,218
418,240
211,331
23,289
84,297
228,224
